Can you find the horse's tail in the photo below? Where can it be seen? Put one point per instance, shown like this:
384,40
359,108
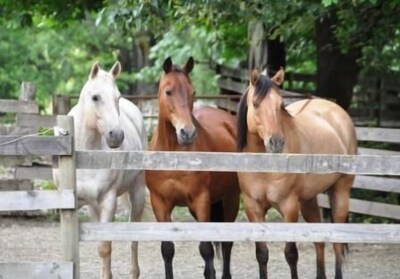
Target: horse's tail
217,215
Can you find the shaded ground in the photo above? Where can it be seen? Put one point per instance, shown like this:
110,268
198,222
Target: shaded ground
39,240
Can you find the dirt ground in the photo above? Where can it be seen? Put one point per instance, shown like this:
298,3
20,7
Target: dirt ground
23,240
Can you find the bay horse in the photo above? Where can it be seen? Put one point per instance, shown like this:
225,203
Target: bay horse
313,126
103,120
210,196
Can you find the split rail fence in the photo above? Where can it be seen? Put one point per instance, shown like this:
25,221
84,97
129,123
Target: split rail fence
64,198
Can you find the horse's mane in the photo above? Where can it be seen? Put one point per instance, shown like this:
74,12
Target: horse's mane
242,123
262,87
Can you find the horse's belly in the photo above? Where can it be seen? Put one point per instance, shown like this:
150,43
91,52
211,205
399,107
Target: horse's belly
313,184
177,187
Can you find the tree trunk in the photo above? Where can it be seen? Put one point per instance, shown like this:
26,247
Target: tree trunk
337,72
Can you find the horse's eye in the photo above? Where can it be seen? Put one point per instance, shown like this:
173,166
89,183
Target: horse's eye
168,92
95,98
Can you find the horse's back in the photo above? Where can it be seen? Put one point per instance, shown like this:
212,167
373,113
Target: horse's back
325,117
220,126
219,135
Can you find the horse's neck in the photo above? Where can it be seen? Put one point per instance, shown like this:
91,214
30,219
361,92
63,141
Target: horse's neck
85,137
165,136
290,131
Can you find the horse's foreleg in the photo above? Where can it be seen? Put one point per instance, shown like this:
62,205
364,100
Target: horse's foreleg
339,195
162,212
201,206
290,211
137,200
255,212
311,214
107,211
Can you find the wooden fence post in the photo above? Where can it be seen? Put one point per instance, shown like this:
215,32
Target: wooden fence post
61,104
69,218
28,91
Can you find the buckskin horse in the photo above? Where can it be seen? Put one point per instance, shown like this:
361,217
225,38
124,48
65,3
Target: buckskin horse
105,121
210,196
313,126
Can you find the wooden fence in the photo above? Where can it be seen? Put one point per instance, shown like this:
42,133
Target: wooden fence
20,117
376,101
64,199
373,183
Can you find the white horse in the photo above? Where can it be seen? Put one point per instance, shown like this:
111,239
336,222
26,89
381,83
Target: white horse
103,120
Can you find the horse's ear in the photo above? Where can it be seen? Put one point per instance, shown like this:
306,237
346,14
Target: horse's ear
189,65
279,77
254,77
94,71
116,70
167,66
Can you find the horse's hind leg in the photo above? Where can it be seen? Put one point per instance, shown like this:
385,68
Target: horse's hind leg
311,214
201,207
137,200
339,195
226,211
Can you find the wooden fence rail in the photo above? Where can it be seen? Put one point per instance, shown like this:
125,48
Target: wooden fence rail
271,232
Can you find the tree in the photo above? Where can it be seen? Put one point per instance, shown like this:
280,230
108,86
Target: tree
337,40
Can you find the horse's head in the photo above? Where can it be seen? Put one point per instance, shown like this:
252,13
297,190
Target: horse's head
175,98
99,100
261,112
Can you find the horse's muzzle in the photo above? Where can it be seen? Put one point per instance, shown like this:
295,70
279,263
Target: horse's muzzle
186,136
115,138
275,144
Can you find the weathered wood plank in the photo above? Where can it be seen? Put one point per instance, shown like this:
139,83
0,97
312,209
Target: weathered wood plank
378,134
16,106
34,172
12,161
16,185
366,207
35,145
231,85
377,183
6,129
372,151
36,200
244,162
33,120
241,231
53,270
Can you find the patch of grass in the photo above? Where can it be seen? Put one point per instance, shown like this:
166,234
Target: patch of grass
46,185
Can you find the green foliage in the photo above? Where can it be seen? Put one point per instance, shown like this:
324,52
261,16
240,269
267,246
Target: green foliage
56,60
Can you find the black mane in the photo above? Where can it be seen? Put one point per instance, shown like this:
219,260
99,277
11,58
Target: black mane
262,87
